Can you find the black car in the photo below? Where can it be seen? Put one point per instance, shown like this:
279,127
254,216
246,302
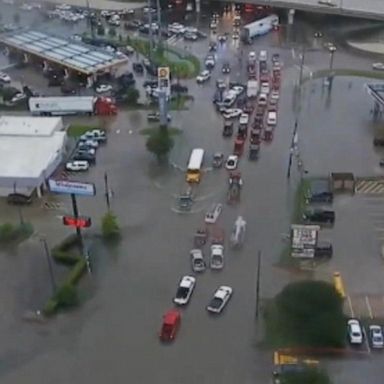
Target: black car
319,216
378,141
138,67
212,47
228,129
324,249
85,156
179,88
150,84
321,197
19,199
275,58
254,150
226,68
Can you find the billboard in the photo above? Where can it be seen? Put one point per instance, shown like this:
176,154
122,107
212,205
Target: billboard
163,77
72,187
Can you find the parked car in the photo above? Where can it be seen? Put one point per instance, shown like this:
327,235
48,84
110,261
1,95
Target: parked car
237,89
77,166
378,66
184,290
19,199
217,256
218,160
138,67
4,78
232,162
230,113
197,260
84,155
319,216
88,143
155,116
213,213
228,128
96,134
355,333
376,336
203,77
324,249
220,299
103,88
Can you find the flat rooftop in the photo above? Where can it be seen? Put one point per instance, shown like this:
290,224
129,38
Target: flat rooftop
28,145
80,57
29,126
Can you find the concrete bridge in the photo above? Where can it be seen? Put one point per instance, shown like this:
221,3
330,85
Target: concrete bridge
367,9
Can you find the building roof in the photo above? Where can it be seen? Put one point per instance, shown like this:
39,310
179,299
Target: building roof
66,52
26,150
29,126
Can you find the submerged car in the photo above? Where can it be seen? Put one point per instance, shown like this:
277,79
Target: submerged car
220,299
184,290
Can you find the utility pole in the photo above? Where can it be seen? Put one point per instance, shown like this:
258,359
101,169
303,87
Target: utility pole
49,262
332,51
150,29
258,285
107,192
91,20
159,21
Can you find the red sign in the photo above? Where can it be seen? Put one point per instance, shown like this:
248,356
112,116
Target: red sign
79,222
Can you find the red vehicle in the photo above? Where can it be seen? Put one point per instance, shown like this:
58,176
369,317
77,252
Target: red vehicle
171,323
239,146
235,183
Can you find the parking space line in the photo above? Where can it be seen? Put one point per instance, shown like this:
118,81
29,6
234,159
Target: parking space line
350,305
369,307
366,340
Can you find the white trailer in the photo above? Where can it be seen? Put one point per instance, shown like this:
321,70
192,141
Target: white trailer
65,105
252,88
259,27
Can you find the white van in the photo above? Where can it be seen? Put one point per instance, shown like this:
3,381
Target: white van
263,56
272,118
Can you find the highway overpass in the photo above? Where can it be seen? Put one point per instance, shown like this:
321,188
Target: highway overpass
367,9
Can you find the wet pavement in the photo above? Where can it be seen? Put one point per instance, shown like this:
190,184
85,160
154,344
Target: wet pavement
114,334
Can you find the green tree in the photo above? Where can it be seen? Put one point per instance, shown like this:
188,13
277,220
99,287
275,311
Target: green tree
109,227
132,96
67,296
308,314
100,30
307,376
112,32
160,143
16,18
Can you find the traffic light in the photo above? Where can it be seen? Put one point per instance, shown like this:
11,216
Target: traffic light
77,222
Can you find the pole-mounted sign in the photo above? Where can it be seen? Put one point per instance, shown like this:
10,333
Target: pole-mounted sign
163,78
72,187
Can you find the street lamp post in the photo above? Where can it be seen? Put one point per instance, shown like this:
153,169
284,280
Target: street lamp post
49,262
332,50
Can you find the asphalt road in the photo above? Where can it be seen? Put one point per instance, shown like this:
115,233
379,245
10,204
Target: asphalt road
114,335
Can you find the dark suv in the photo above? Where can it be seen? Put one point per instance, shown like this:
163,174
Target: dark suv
319,216
324,250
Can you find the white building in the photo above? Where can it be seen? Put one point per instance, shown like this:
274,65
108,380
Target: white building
31,148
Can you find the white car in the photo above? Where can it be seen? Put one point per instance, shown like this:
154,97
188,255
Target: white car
185,289
197,260
102,88
220,299
244,119
231,162
378,66
203,77
376,336
89,143
264,88
217,256
231,113
213,214
238,89
328,3
18,97
77,166
210,61
355,333
275,95
5,78
263,99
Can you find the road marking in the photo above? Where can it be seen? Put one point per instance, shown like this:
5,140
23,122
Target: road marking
369,307
350,306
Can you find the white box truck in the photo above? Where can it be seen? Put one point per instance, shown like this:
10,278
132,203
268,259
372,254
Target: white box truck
258,28
252,88
71,105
